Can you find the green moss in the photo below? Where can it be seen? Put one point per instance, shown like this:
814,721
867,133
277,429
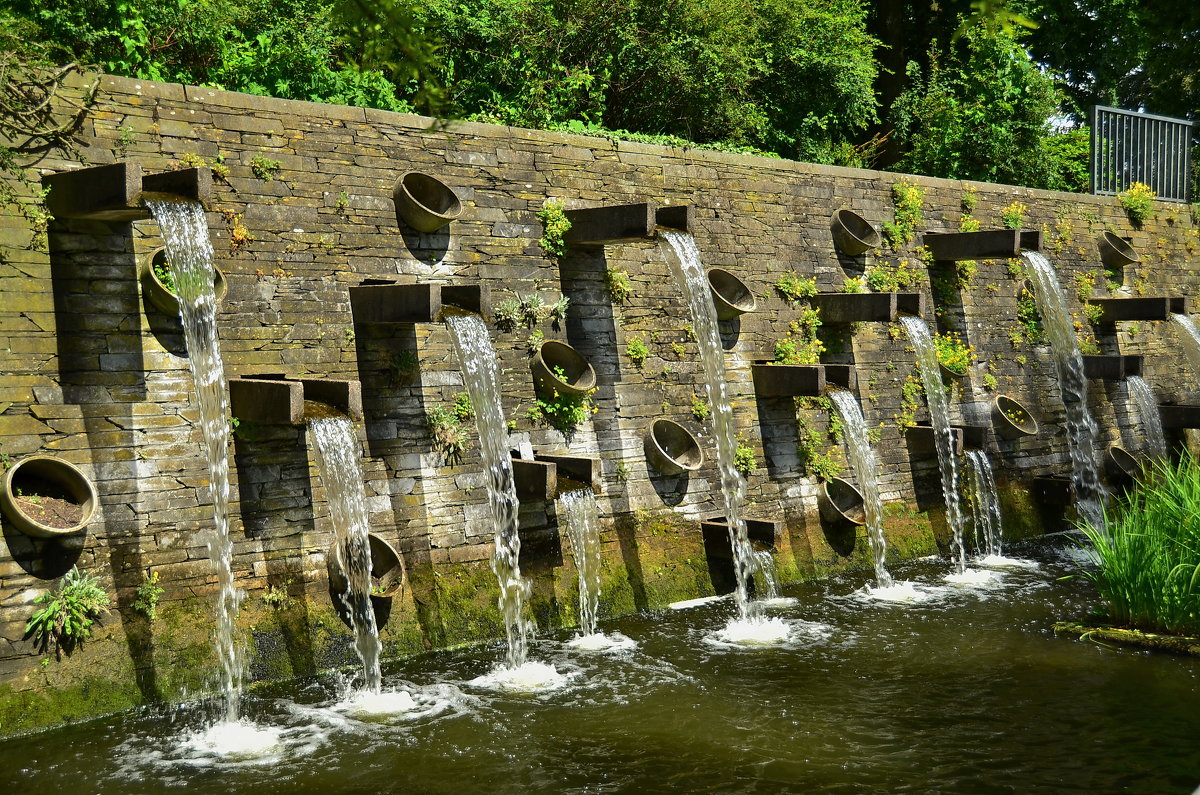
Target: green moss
29,710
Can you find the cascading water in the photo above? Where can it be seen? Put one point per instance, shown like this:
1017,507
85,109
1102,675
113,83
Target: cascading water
683,256
866,468
985,504
190,256
1189,333
1153,440
1081,428
766,576
340,464
578,517
943,434
481,370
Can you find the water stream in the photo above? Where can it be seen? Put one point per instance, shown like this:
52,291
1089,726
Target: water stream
190,256
1081,428
579,519
683,256
481,376
943,434
985,505
340,463
866,469
1189,334
1154,443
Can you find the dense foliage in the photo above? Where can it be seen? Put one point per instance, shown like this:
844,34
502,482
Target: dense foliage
1148,553
961,88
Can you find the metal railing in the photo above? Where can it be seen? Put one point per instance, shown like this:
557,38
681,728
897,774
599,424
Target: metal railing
1130,147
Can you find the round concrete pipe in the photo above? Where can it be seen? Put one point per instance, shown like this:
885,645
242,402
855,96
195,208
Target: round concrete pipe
425,203
577,377
1011,419
160,296
34,486
730,295
671,448
853,234
1115,252
839,501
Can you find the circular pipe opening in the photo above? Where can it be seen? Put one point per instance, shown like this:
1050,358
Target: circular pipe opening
853,234
1116,252
1122,464
731,297
839,501
671,448
157,293
559,367
47,497
1011,418
425,203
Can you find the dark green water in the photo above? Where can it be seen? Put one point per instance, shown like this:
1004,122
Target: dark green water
969,692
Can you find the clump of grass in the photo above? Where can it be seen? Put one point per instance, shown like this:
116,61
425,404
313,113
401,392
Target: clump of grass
1148,554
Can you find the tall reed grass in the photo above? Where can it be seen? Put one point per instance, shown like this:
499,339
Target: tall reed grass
1148,552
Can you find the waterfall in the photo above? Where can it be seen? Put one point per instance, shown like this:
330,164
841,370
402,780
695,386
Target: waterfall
578,517
866,469
340,463
683,256
190,255
985,504
1153,440
943,434
1190,335
1081,428
481,371
766,576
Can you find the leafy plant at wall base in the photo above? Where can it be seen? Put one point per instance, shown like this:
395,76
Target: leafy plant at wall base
853,285
794,287
1138,202
68,613
148,594
1148,552
449,435
618,283
802,345
887,276
555,226
744,460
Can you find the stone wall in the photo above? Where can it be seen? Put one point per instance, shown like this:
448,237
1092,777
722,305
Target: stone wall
94,375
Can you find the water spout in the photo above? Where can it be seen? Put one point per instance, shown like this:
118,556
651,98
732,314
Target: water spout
1153,441
985,505
866,468
578,517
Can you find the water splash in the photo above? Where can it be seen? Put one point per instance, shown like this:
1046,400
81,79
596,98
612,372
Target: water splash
579,518
190,256
866,469
985,505
481,370
943,434
1189,334
1153,441
340,463
1081,428
683,256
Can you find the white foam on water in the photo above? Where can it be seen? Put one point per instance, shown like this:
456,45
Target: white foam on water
905,592
754,632
598,641
366,704
688,604
972,578
238,740
529,677
1005,562
779,602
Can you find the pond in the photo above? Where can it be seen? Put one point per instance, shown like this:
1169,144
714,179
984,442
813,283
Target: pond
966,691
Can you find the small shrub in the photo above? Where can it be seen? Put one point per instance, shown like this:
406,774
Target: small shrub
853,285
989,382
164,274
463,410
970,200
277,596
637,351
148,594
555,226
68,613
619,285
1138,202
744,460
1013,216
264,167
449,435
700,408
563,412
908,200
794,287
889,276
403,366
953,353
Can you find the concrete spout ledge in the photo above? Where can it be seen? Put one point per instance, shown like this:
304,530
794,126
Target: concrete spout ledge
1176,416
788,380
535,481
866,307
680,217
615,223
715,529
974,437
114,192
1116,309
843,375
277,399
574,470
374,301
920,439
985,244
1111,367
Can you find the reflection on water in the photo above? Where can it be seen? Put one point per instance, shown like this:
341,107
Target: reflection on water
966,690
